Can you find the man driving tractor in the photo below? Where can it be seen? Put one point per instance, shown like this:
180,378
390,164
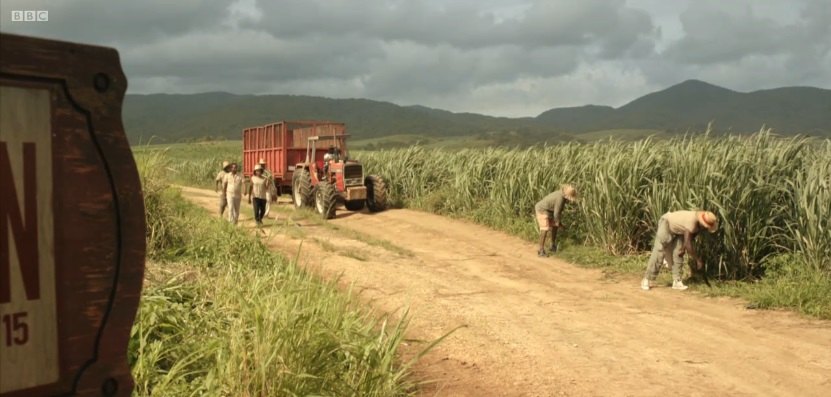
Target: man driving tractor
333,154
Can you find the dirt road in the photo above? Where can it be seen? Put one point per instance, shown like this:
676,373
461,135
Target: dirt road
543,327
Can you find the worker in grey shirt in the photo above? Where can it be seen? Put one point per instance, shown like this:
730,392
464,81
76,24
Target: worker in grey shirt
548,211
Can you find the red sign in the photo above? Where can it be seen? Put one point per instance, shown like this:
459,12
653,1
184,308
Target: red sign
71,221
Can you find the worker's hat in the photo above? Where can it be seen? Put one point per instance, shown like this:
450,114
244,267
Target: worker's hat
225,164
708,220
570,192
258,167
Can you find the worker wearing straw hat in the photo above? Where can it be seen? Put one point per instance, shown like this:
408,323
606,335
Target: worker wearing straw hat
676,231
257,193
220,177
548,211
271,193
232,187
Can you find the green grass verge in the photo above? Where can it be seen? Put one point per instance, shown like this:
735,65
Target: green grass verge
221,315
786,286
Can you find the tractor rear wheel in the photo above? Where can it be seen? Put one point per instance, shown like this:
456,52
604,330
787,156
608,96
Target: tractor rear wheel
376,193
301,189
354,205
326,200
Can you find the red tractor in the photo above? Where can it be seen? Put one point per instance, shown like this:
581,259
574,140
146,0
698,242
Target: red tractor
335,180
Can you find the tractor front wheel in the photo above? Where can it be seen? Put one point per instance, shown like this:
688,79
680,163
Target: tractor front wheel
326,200
376,193
301,188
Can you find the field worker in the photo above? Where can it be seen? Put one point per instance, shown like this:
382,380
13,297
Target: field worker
257,191
330,155
548,211
232,187
676,231
271,194
266,173
220,177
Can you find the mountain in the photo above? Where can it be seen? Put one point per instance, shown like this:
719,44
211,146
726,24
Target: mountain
175,117
687,106
691,105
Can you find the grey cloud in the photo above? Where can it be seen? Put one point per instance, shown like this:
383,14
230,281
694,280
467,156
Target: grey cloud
117,22
715,35
718,32
545,23
736,46
471,55
422,71
249,55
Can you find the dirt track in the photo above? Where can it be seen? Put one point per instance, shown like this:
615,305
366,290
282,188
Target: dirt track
543,327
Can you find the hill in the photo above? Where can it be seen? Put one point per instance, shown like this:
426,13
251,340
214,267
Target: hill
177,117
691,105
688,106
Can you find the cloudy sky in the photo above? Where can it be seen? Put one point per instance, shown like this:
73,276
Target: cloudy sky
497,57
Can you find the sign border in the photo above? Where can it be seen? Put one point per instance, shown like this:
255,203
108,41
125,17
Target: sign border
94,83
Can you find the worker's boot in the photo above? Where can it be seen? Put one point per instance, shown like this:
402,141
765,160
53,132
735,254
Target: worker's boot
541,253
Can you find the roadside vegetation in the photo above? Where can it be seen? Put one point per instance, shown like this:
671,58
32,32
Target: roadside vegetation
221,315
772,195
193,164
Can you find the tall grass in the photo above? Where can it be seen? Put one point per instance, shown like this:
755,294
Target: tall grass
773,195
221,315
194,164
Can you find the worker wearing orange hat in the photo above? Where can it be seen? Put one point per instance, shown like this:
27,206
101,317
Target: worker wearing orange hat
676,232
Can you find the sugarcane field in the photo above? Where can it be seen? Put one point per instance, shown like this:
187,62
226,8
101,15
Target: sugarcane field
415,198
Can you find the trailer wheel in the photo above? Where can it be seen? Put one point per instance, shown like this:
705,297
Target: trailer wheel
376,193
326,200
301,188
355,205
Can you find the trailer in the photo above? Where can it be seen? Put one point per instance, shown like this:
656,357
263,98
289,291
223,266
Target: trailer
283,145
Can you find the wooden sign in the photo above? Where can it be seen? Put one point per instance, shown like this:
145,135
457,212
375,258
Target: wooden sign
71,221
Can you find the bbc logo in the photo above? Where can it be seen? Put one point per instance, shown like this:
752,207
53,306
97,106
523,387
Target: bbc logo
30,16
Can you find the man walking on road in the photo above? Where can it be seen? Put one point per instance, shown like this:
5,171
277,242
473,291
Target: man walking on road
271,194
232,187
676,232
256,193
548,211
220,177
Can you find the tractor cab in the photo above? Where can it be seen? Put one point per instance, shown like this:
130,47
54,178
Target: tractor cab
327,156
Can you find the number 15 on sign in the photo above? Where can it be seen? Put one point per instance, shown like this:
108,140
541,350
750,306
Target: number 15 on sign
15,328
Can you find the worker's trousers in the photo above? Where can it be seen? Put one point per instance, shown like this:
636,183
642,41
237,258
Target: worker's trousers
223,202
667,246
233,209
